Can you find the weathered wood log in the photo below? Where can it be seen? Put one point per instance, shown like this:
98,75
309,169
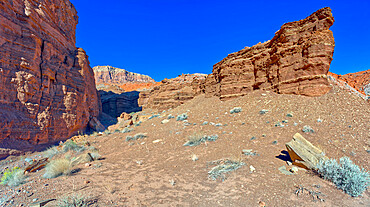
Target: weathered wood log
303,153
37,165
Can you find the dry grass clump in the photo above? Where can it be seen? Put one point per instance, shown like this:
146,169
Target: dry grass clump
136,136
224,166
58,167
198,137
73,201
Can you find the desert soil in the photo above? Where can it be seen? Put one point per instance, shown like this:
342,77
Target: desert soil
162,173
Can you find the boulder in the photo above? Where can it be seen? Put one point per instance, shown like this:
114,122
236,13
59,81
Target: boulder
303,153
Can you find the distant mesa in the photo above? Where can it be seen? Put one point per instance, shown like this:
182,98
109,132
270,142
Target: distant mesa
295,61
108,78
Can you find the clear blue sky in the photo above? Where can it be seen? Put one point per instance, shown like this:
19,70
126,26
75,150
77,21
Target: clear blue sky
164,38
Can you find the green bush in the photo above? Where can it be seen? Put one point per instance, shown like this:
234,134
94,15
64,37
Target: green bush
345,175
13,177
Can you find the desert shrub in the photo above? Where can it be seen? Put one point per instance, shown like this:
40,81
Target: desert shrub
70,145
57,167
223,167
198,138
136,136
51,152
345,175
13,177
307,129
73,201
182,117
126,130
235,110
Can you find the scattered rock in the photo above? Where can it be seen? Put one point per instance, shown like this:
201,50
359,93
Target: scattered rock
283,170
194,157
307,129
263,111
252,169
165,121
294,169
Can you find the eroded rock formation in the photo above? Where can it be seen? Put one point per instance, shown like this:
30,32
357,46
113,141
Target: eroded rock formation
47,88
172,92
295,61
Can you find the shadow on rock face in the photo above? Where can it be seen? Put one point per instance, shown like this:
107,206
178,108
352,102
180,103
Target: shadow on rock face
115,104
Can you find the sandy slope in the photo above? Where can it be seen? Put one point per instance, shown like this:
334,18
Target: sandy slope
139,173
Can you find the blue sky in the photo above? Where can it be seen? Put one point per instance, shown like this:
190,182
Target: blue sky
165,38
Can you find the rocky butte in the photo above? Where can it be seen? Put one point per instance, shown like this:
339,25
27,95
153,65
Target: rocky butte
295,61
47,88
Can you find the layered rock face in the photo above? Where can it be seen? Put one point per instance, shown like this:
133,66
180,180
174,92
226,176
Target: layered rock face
47,88
295,61
172,92
116,76
360,81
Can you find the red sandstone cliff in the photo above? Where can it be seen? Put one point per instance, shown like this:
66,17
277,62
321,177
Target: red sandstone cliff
359,81
295,61
47,88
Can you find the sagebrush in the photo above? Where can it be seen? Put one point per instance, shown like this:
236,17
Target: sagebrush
345,175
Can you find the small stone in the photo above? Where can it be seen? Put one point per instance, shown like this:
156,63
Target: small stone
253,138
194,157
274,142
87,164
289,115
294,169
263,111
35,199
165,121
205,123
87,182
251,168
319,120
263,135
289,163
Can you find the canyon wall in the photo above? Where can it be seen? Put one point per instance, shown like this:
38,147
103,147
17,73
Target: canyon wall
47,88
